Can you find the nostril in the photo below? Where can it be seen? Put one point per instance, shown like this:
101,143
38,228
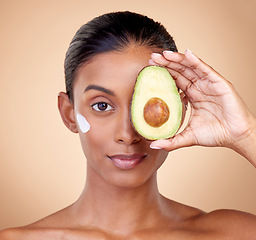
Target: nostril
125,132
128,136
137,138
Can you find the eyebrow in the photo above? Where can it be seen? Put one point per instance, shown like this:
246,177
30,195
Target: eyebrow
99,88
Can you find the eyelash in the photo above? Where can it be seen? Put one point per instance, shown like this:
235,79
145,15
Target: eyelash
96,107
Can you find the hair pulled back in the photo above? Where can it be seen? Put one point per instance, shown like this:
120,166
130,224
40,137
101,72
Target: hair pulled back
113,31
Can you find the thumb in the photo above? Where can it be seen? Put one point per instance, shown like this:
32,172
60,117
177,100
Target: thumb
183,139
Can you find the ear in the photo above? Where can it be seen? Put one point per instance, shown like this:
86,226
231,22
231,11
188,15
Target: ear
66,110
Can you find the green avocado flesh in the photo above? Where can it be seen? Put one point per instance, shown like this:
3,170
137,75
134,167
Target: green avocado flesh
156,108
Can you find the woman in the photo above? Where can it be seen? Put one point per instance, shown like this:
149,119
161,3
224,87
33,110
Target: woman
121,199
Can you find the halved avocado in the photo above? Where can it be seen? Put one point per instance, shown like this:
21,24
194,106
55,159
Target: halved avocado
156,108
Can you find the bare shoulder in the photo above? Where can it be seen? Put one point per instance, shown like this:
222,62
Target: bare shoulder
56,226
59,219
230,223
26,233
46,227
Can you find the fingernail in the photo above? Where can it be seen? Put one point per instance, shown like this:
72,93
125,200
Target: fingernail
189,51
168,51
154,147
156,54
151,62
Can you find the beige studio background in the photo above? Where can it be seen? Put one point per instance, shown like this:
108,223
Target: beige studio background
42,167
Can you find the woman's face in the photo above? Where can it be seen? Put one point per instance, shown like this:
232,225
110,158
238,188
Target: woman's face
102,94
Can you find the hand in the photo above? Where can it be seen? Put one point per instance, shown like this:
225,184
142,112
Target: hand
219,117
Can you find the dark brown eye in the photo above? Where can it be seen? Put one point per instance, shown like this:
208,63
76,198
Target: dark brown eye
102,107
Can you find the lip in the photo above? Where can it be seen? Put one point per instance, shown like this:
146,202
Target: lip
127,161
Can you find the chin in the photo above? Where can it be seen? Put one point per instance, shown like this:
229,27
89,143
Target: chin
128,180
143,174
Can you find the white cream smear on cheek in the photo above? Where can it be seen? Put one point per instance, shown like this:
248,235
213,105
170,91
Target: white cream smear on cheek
83,123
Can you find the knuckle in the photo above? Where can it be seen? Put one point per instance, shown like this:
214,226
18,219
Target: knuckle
181,69
188,86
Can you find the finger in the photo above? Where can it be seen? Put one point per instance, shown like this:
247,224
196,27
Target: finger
181,74
177,66
181,82
183,139
191,61
159,59
152,62
175,62
184,71
174,56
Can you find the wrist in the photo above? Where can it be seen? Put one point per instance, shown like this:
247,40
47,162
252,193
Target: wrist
246,145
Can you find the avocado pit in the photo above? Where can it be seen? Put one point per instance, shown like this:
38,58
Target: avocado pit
156,112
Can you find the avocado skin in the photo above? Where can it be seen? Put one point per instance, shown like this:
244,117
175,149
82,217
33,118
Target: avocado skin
155,82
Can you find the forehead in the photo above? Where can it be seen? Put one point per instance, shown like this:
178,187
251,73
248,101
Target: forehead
113,69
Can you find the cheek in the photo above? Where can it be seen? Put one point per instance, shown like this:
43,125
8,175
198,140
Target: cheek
95,134
91,128
82,123
97,144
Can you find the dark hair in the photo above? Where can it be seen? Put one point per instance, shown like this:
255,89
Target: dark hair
113,31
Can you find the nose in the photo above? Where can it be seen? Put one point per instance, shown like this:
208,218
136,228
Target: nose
125,132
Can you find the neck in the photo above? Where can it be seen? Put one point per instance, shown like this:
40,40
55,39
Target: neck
119,209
